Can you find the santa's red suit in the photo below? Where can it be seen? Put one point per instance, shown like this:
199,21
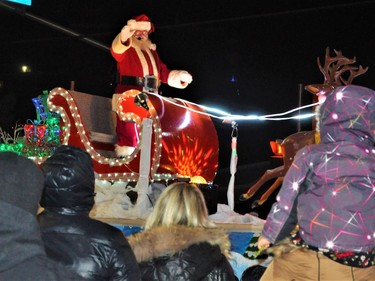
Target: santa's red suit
136,57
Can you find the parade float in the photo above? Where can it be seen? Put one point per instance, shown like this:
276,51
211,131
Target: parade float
178,142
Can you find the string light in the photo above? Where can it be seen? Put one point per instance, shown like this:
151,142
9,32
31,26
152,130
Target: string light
225,116
119,163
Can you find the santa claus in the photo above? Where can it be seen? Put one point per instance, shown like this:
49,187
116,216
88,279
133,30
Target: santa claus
140,68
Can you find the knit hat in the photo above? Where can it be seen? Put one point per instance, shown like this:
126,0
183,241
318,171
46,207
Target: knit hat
21,181
143,17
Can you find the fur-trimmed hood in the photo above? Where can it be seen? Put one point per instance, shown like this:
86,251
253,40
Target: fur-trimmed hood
168,240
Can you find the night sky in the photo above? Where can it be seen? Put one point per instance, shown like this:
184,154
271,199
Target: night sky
246,57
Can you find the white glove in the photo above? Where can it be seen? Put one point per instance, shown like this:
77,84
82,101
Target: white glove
186,77
179,79
132,25
126,33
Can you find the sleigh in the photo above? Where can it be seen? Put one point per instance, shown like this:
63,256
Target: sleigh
184,142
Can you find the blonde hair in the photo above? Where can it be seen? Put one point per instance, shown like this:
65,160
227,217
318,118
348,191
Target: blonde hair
180,204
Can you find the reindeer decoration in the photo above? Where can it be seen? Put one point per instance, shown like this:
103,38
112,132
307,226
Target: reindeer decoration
333,71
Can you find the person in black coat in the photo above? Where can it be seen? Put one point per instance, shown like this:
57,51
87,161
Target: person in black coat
179,242
95,250
22,254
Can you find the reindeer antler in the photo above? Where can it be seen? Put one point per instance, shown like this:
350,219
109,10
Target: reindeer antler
354,72
333,70
335,67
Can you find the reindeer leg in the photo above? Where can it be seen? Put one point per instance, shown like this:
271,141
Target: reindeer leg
269,191
269,174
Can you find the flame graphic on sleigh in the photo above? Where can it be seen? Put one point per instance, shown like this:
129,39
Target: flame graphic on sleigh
188,156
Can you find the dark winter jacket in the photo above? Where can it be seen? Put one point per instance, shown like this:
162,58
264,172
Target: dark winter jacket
329,189
181,253
22,254
95,250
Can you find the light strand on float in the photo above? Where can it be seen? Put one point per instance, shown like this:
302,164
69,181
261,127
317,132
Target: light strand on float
227,116
292,110
300,116
73,123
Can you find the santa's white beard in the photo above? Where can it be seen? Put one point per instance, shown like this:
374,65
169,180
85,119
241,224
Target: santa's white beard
143,44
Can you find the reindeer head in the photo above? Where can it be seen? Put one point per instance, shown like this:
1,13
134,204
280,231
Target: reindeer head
333,70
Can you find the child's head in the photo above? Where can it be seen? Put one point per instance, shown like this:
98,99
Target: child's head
348,114
180,204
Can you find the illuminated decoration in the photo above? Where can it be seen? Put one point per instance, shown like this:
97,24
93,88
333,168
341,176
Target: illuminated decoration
176,144
13,147
11,142
34,132
277,148
41,136
53,128
41,112
198,180
188,159
32,144
51,119
228,118
37,143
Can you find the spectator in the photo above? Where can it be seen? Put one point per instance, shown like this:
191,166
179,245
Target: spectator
93,249
22,255
179,242
328,192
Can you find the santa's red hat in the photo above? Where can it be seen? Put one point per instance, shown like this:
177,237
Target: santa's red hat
143,17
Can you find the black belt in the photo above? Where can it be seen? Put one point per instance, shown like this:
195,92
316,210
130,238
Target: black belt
149,82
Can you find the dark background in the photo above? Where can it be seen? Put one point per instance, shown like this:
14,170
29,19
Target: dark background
246,57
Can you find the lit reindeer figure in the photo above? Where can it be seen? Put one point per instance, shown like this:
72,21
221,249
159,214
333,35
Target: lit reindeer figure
333,70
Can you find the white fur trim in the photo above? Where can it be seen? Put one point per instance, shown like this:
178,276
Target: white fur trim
179,79
115,100
131,23
139,25
122,151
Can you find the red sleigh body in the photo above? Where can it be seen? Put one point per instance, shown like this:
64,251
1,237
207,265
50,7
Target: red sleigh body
184,140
